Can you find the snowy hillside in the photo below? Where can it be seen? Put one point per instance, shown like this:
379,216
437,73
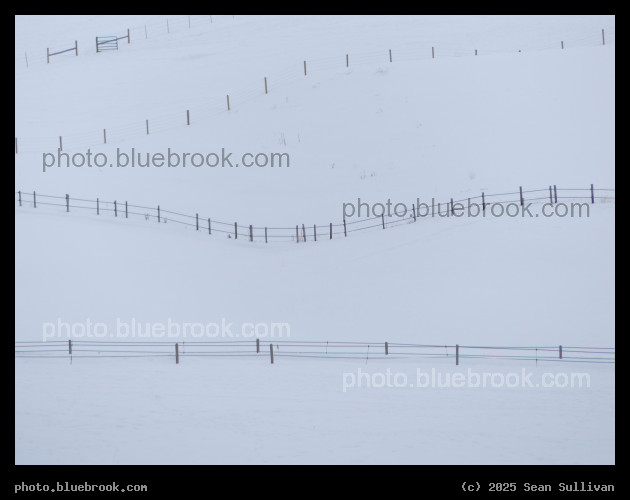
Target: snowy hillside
391,108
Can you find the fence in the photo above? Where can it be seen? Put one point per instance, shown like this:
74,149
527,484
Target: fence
314,232
49,54
105,43
225,103
306,349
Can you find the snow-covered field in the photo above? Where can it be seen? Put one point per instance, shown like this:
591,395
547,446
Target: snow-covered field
523,112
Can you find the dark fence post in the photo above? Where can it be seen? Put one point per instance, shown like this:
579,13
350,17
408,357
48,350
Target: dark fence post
70,347
560,351
197,221
315,231
520,188
67,203
265,235
592,195
555,194
550,196
483,202
383,220
271,352
209,227
457,354
297,234
158,210
20,197
126,211
304,232
176,353
257,345
331,230
235,231
251,233
345,232
34,200
115,209
386,349
414,212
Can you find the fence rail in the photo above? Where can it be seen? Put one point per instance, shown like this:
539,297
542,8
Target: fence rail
308,349
302,232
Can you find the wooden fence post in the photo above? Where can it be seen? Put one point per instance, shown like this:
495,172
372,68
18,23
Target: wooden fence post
560,351
126,211
390,55
315,232
235,231
128,36
483,202
34,200
386,349
303,232
345,232
297,234
20,197
304,68
176,353
115,209
433,52
257,345
48,55
603,38
347,61
271,352
104,136
457,354
60,144
266,85
562,45
76,47
67,202
592,195
16,146
187,117
209,227
383,220
158,212
520,189
228,101
555,194
331,230
251,233
97,208
197,221
70,347
550,195
265,235
147,127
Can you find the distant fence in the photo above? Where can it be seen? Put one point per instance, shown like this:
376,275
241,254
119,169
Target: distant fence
105,43
313,232
49,54
225,103
306,349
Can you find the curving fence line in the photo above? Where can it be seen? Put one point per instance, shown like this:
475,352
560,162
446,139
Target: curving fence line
580,198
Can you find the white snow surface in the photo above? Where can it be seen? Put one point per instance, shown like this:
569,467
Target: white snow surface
523,112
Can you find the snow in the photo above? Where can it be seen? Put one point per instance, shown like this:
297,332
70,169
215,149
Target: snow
522,113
